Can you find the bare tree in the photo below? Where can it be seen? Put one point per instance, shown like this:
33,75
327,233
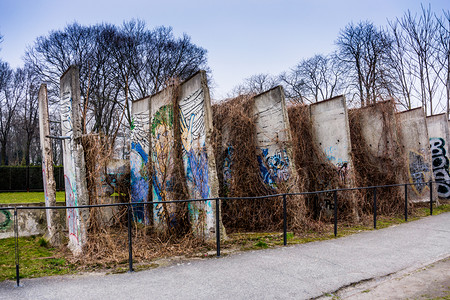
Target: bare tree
10,92
116,64
314,79
364,48
255,84
443,51
28,111
400,67
420,39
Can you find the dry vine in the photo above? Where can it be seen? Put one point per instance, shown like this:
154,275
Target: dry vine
318,172
384,168
239,173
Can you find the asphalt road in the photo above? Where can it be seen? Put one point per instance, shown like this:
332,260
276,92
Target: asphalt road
297,272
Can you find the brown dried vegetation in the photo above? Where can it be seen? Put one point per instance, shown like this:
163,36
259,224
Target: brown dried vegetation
235,149
384,165
318,173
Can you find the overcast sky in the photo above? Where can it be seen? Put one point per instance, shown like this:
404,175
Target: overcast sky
242,37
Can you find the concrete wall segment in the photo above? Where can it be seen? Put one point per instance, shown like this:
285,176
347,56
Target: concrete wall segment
273,139
74,164
331,129
49,183
139,157
415,142
438,132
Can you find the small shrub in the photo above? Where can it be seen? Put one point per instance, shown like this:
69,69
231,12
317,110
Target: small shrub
43,242
261,244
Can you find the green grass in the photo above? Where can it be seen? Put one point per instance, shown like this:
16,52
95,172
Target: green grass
258,240
36,259
28,197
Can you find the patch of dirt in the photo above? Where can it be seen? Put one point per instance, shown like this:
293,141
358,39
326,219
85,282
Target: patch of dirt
430,282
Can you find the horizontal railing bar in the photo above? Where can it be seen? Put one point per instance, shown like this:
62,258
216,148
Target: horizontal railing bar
221,198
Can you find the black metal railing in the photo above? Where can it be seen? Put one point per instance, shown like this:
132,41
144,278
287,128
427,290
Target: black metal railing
218,238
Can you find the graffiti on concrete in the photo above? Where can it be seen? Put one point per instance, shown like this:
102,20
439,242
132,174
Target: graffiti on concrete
195,158
73,216
73,219
328,204
417,169
343,171
162,162
343,167
138,165
5,220
274,168
66,115
227,164
440,167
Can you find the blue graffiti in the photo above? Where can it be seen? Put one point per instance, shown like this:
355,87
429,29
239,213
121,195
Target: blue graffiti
274,169
227,164
139,181
197,171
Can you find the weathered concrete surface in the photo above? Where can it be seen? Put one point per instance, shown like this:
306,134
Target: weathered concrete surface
273,139
415,142
331,132
198,155
31,222
438,133
296,272
73,157
379,128
49,183
162,152
153,140
379,133
139,157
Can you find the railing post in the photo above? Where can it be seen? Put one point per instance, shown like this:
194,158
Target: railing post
284,220
335,213
217,227
130,244
375,208
431,197
16,245
406,202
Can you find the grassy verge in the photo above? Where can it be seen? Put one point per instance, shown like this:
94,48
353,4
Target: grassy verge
28,197
253,241
37,259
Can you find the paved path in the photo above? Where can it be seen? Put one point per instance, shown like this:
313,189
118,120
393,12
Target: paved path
299,272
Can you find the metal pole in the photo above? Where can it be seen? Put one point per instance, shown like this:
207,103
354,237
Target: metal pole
406,203
375,208
16,245
284,220
431,197
217,227
130,244
335,213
